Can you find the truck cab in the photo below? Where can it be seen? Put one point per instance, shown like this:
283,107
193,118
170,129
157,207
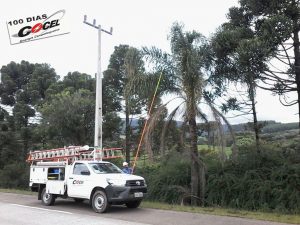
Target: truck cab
100,182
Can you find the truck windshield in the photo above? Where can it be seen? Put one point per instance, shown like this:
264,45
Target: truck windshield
105,168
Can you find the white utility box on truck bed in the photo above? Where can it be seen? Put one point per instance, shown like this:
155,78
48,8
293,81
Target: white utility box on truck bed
100,182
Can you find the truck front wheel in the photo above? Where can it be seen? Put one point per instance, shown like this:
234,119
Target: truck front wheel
47,198
99,202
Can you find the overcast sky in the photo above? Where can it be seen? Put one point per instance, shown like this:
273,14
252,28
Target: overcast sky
135,22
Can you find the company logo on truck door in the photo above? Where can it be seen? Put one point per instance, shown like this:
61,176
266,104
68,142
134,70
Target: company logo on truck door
78,182
36,27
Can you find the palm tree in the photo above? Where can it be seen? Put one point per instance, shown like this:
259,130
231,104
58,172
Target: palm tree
183,74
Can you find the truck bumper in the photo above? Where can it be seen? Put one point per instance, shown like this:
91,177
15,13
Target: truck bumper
117,194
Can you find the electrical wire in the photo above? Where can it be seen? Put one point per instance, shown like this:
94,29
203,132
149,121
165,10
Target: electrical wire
145,125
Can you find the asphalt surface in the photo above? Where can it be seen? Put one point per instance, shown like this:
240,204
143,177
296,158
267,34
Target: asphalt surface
16,209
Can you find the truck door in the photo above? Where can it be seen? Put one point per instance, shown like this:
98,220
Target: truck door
79,181
55,180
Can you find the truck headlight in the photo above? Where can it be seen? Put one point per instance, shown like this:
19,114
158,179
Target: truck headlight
116,182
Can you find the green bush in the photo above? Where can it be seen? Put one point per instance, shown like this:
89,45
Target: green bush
267,181
169,180
15,175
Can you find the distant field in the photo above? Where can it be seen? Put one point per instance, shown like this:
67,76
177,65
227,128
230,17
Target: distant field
206,147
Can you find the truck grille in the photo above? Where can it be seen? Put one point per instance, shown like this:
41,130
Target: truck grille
135,183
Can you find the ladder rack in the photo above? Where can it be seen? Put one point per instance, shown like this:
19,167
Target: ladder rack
73,153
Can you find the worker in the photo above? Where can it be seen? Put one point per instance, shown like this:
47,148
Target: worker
126,169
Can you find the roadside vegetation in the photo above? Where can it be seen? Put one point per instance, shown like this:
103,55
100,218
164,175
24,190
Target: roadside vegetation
189,156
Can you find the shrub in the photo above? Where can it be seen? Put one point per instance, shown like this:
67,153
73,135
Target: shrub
15,175
265,181
169,180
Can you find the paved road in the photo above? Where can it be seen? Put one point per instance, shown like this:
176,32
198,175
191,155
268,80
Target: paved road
16,209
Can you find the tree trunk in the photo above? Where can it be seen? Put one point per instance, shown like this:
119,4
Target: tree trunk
213,141
251,92
234,147
208,137
197,169
162,140
127,133
297,64
25,137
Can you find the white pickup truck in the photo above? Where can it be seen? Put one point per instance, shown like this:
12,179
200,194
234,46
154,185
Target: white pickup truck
102,183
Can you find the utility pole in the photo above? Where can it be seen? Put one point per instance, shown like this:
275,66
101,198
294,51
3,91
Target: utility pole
98,108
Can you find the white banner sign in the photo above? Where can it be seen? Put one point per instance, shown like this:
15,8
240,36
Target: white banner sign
36,27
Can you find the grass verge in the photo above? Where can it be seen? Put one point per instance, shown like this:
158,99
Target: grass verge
276,217
17,191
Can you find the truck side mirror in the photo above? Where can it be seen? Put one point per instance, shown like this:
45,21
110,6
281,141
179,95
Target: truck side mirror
85,172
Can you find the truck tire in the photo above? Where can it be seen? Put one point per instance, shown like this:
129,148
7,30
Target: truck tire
47,199
133,205
99,202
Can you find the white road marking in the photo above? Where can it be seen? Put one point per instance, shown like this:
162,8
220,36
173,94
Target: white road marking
50,210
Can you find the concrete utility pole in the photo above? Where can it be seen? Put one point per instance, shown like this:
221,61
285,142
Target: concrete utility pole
98,108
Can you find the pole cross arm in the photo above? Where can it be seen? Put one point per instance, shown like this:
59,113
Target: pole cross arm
96,26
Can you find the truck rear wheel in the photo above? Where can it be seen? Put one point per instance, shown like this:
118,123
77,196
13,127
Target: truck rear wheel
133,205
47,198
99,202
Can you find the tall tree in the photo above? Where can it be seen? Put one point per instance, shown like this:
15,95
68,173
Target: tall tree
125,63
241,56
74,95
23,87
8,140
183,69
277,23
67,119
